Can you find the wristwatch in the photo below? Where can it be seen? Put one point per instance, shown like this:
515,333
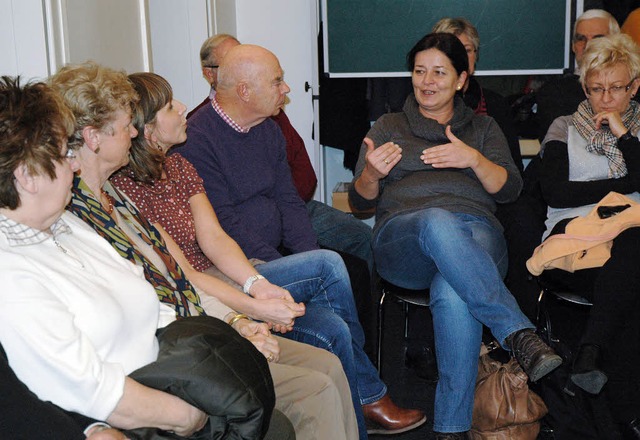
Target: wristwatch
252,279
626,136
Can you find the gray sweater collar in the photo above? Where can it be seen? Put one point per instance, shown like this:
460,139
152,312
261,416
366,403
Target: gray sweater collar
430,129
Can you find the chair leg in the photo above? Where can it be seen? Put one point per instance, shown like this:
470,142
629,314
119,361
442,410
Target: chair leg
380,332
405,308
543,318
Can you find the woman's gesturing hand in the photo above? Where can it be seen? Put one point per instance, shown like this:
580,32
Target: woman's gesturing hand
380,161
455,154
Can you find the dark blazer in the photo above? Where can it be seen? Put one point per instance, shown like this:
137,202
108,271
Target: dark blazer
25,417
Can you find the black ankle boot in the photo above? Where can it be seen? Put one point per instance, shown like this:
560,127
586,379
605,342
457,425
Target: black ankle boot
422,360
452,435
587,371
535,357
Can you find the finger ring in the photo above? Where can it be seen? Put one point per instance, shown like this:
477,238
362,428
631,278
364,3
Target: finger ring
270,357
386,161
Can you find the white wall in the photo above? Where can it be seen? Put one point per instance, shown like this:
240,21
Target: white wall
23,49
113,33
177,30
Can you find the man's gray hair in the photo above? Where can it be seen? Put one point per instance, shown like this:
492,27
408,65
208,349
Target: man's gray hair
614,27
206,50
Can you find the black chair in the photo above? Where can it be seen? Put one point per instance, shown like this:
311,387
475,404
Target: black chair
406,297
543,318
564,347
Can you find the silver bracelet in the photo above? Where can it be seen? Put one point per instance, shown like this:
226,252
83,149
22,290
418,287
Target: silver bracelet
95,428
252,279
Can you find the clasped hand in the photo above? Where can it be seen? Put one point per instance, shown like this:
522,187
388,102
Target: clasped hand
275,306
259,335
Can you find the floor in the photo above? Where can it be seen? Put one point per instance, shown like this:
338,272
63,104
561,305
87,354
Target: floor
405,387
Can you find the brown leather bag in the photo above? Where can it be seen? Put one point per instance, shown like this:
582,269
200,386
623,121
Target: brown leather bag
504,408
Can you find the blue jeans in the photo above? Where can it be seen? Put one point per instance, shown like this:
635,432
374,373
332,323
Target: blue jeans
461,258
320,280
340,231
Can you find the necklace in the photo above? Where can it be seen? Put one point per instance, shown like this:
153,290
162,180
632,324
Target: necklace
64,251
109,207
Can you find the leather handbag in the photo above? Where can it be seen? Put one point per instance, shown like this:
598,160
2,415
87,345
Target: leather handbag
504,407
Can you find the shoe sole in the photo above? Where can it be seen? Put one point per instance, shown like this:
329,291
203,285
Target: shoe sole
545,368
382,431
592,381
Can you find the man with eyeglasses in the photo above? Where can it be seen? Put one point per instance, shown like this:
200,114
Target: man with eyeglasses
211,52
561,96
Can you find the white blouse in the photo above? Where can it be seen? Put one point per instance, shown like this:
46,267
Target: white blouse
76,318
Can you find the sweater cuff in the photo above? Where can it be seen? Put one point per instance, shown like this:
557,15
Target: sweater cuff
359,202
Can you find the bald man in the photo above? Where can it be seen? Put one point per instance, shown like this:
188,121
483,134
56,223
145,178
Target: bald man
255,200
240,154
334,229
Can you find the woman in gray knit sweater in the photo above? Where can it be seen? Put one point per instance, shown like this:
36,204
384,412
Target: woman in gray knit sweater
434,173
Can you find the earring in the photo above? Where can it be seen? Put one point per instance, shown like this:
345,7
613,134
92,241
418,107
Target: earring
458,88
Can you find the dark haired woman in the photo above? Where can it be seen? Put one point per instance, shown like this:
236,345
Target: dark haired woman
434,173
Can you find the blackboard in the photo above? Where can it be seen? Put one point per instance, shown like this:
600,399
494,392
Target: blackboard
372,37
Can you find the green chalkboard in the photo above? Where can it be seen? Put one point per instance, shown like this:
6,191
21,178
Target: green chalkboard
372,37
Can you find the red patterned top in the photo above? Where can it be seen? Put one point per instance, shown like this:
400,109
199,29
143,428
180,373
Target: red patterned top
167,202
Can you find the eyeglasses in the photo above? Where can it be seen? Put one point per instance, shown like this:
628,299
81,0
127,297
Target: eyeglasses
613,90
69,155
583,39
211,66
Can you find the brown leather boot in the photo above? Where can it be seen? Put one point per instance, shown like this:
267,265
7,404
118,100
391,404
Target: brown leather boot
385,417
535,357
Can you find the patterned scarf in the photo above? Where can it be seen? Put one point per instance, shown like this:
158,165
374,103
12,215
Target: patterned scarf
90,210
603,141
